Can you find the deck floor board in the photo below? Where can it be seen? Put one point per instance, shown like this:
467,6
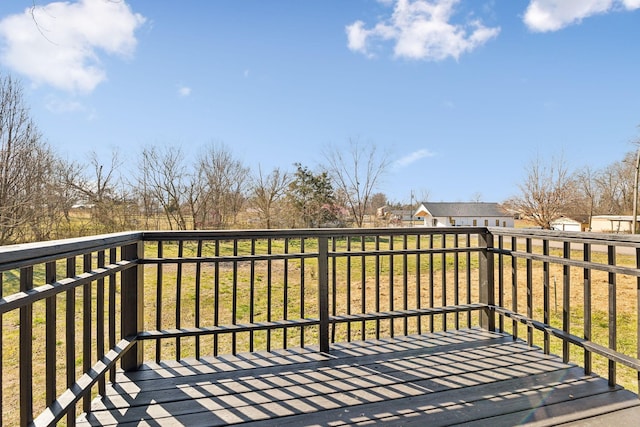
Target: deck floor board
468,376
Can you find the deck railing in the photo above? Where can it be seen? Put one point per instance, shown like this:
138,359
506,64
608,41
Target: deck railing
597,274
72,310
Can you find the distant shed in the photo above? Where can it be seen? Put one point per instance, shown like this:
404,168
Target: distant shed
570,224
612,223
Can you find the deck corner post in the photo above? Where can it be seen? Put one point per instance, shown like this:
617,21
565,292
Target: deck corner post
132,294
323,292
486,281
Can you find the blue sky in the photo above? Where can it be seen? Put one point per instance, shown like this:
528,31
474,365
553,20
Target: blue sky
462,94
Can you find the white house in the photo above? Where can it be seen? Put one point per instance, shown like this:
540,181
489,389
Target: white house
468,214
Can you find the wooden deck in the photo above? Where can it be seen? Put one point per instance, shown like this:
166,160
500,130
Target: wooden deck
469,376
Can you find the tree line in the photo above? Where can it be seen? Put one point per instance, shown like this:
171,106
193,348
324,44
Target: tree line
551,190
44,196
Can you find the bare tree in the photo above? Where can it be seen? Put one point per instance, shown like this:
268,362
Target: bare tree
356,172
49,216
144,193
102,190
68,173
198,197
587,196
425,195
25,166
547,192
626,171
378,200
226,179
612,183
267,191
162,177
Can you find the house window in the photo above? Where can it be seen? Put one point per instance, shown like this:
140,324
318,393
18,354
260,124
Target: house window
475,222
497,223
434,222
486,222
504,223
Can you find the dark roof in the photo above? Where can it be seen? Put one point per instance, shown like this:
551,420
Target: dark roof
477,209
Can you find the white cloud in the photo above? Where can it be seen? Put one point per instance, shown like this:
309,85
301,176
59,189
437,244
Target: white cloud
56,105
553,15
184,90
60,43
449,105
69,105
413,157
357,36
422,29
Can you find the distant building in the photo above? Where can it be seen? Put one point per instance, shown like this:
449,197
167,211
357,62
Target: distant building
612,223
570,224
395,217
82,205
467,214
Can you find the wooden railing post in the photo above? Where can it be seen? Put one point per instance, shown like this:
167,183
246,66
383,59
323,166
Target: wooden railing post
323,292
26,350
132,304
486,291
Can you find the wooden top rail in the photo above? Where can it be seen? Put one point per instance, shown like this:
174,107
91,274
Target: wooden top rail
300,232
628,240
20,255
17,256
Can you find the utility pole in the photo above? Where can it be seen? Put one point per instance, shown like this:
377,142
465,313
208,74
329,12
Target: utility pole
412,208
635,194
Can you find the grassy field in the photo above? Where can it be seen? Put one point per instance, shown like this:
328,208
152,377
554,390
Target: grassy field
206,291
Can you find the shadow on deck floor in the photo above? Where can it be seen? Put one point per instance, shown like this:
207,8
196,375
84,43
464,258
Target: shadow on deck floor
467,376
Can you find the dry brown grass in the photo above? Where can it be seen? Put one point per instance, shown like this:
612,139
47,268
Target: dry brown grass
625,296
